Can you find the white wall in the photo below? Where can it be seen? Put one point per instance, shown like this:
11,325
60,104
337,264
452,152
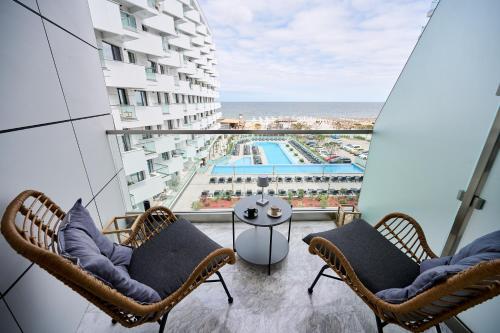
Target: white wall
51,75
433,126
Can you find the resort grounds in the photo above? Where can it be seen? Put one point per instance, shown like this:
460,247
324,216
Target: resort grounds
233,175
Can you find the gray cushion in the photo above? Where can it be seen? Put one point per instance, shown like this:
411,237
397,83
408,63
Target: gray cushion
80,240
165,261
437,270
377,262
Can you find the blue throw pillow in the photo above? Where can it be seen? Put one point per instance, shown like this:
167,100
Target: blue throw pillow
433,271
80,241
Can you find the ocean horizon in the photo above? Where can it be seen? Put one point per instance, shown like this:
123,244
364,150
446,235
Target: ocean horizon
251,110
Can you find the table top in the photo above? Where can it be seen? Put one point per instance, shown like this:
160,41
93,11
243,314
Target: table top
262,219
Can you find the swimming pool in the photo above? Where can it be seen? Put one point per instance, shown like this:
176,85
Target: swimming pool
279,162
247,160
274,153
286,169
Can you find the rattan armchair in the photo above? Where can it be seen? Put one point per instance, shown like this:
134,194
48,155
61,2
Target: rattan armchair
30,225
441,302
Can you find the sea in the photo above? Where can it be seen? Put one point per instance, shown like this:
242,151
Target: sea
251,110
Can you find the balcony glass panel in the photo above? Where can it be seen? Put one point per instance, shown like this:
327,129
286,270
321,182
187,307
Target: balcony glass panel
127,112
150,74
128,21
211,172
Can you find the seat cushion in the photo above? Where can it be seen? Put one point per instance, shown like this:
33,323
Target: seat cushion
165,261
77,242
378,263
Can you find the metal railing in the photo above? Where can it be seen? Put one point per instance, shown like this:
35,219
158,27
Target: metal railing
298,181
128,21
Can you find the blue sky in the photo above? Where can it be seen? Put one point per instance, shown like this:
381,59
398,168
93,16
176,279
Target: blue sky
312,50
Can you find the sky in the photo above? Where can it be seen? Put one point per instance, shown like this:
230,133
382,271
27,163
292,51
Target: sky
312,50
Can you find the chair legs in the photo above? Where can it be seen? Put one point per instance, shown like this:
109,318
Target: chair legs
310,289
229,297
163,322
380,325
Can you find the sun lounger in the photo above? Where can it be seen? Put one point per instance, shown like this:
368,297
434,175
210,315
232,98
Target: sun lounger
239,179
248,180
298,179
270,191
221,180
282,192
249,193
213,180
237,193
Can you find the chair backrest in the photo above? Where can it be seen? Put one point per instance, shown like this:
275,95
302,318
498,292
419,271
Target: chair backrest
30,225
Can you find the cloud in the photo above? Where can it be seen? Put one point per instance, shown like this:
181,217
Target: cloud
312,50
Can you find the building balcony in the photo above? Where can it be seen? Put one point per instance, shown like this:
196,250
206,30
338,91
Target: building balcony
198,41
150,73
161,22
147,188
174,8
147,43
143,116
142,8
172,59
133,161
193,53
187,27
175,111
106,17
181,41
202,30
161,144
193,15
124,75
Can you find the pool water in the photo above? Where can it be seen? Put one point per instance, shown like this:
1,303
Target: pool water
274,153
286,169
278,162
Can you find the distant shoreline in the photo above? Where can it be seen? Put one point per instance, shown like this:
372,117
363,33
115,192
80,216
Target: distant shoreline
320,110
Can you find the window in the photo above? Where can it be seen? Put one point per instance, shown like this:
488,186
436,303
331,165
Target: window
122,96
176,98
111,52
126,142
144,28
141,98
136,177
158,97
170,124
131,57
147,135
153,66
151,168
185,120
163,69
165,156
167,98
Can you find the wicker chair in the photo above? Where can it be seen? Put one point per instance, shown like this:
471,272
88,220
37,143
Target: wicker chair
30,224
443,301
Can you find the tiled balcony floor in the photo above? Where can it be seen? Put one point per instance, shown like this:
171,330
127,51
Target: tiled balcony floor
262,303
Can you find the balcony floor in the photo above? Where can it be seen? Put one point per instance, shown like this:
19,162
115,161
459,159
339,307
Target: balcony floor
262,303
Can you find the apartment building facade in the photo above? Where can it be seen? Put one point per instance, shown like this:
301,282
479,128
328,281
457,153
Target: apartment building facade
159,66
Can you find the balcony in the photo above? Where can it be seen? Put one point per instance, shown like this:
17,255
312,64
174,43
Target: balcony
143,116
142,8
161,22
202,29
182,41
147,43
124,75
174,8
134,161
172,59
193,15
106,17
147,188
150,73
187,27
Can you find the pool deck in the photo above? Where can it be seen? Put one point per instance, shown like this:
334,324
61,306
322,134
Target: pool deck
200,182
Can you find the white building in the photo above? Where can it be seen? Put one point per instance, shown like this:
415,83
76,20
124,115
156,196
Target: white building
159,65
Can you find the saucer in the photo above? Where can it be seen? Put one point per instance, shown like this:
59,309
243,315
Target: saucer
271,215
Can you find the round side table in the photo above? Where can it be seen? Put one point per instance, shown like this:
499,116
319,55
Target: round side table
262,245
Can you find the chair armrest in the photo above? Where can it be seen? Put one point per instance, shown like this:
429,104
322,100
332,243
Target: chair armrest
406,234
113,228
208,266
148,224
